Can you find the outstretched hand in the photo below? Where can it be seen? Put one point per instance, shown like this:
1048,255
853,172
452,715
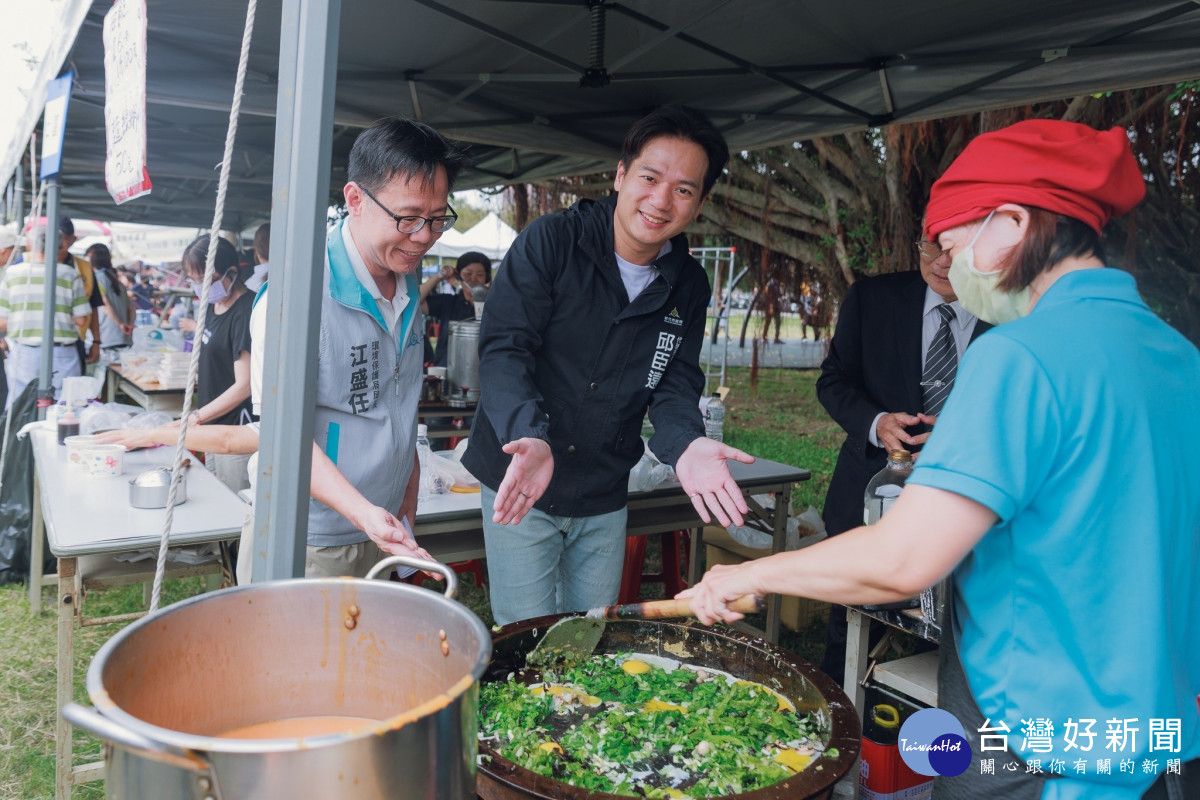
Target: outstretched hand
130,437
525,481
393,536
705,478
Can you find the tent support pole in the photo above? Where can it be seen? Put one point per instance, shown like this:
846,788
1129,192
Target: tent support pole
18,207
308,50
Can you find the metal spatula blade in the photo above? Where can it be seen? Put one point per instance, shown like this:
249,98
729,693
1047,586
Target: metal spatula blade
571,640
574,639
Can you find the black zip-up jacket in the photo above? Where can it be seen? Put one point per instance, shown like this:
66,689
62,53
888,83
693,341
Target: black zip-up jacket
565,357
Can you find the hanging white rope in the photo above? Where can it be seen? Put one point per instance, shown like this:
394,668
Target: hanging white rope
209,269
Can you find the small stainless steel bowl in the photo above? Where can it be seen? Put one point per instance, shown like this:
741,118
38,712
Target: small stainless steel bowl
149,489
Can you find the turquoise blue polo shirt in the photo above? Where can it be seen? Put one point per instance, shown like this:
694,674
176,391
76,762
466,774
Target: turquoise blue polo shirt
1078,426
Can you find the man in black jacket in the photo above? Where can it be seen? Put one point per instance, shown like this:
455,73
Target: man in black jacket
873,384
595,315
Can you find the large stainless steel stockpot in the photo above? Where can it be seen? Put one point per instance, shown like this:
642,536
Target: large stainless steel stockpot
463,362
166,686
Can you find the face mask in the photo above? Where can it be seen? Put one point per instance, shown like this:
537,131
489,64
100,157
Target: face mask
216,291
977,291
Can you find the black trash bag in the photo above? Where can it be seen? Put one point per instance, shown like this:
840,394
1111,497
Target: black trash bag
16,495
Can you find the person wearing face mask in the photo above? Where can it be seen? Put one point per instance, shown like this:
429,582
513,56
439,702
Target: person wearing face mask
890,368
223,382
473,269
1059,485
262,257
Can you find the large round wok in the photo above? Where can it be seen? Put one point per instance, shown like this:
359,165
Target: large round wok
717,648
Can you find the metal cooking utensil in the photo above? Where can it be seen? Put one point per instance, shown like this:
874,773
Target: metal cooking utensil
574,639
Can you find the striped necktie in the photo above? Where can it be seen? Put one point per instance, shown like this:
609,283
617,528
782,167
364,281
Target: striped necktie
941,362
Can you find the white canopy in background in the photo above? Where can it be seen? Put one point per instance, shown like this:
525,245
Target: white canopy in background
491,236
151,244
129,241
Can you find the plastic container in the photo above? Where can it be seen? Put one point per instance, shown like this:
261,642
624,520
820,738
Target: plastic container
68,426
431,483
882,773
714,418
105,460
77,447
883,489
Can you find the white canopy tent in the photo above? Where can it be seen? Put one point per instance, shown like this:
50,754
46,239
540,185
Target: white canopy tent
131,241
491,236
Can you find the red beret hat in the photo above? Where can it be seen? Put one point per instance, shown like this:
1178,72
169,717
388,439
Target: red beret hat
1064,167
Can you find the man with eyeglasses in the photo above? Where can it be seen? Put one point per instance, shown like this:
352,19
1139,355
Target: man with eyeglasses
891,364
371,347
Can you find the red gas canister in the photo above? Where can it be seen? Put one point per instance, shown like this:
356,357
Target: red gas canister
882,773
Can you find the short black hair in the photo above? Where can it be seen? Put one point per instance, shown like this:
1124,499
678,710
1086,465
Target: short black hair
262,241
397,146
195,259
474,257
679,122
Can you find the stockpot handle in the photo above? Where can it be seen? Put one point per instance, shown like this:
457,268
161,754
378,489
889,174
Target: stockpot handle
92,721
451,589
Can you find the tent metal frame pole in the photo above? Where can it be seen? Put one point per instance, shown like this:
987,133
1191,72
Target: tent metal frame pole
17,211
308,50
33,175
45,392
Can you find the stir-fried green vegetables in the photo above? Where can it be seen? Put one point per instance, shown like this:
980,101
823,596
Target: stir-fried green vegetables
620,725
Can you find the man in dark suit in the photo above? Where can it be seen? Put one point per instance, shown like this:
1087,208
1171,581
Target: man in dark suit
881,385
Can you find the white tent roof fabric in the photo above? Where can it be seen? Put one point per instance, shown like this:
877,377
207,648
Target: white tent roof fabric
491,236
506,77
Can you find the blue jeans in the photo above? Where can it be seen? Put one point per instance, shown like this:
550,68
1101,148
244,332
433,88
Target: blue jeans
552,565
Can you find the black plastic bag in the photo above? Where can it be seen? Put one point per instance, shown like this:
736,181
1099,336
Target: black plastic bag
16,495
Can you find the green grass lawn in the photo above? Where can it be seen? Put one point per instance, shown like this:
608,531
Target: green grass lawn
778,418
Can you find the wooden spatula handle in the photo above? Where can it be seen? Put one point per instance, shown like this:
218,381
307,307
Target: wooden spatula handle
659,609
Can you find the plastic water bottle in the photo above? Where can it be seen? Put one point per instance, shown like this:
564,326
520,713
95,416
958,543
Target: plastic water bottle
423,456
714,418
431,483
884,487
880,495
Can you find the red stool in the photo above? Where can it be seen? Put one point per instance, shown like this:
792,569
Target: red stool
473,566
675,548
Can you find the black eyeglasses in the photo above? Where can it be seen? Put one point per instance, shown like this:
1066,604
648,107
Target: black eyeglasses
931,250
412,224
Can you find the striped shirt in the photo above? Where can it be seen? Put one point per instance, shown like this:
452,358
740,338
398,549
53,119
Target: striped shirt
22,298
